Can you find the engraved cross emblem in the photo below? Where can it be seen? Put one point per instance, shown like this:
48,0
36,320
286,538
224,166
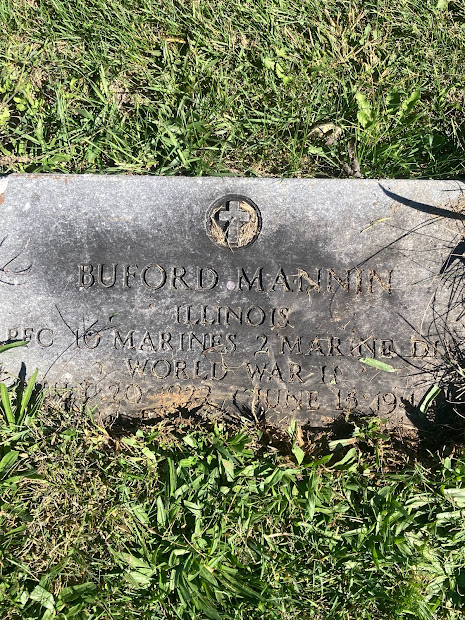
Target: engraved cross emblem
235,216
233,221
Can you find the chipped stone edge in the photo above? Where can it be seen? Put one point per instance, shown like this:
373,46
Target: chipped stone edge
3,186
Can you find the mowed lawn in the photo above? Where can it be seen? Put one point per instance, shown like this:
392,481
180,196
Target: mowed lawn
191,518
250,87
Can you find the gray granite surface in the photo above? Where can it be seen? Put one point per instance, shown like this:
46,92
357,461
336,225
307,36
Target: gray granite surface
255,296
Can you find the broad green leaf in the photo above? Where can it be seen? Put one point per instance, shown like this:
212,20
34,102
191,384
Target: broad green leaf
248,471
207,609
408,105
298,453
206,573
281,73
292,430
131,441
138,578
8,461
318,151
43,596
348,459
228,467
364,114
447,516
393,102
30,475
132,560
195,508
141,572
72,593
161,512
84,113
190,441
140,514
277,475
369,361
151,456
456,495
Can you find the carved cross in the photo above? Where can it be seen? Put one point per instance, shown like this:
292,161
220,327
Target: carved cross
236,216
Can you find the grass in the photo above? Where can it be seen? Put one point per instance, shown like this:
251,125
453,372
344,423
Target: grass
191,521
249,87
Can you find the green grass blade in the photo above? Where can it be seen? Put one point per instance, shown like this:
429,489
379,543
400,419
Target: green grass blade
27,396
12,345
6,404
428,398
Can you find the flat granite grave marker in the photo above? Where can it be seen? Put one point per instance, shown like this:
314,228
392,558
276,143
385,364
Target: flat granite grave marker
261,297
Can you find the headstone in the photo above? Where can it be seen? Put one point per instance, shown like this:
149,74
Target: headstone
269,298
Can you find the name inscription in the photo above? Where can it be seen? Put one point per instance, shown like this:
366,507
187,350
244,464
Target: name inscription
154,277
